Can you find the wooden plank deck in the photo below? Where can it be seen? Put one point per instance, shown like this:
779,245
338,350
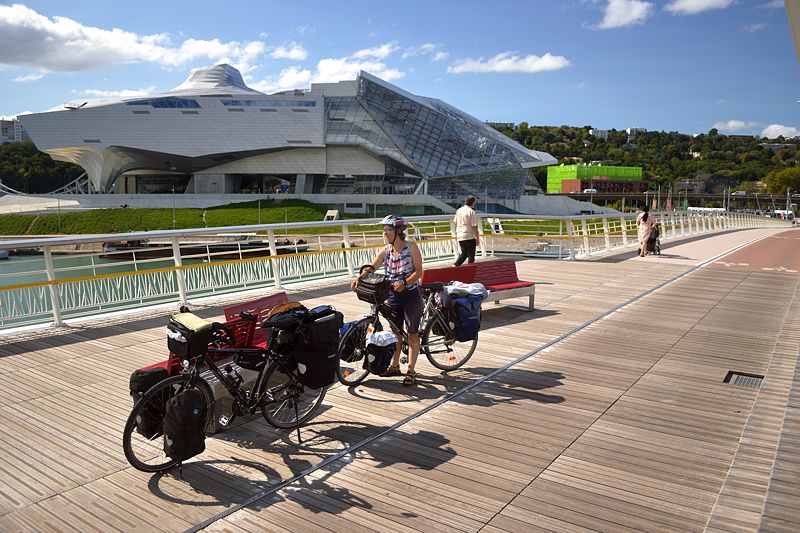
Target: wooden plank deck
625,424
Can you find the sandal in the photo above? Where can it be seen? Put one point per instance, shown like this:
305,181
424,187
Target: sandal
393,370
410,379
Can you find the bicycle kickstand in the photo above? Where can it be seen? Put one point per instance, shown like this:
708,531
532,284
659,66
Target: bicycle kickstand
297,422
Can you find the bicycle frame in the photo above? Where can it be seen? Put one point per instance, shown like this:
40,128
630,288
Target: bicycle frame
429,310
248,401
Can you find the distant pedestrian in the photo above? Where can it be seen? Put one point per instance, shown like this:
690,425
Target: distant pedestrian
467,232
646,226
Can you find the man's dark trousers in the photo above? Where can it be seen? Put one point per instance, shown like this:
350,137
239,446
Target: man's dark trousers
467,252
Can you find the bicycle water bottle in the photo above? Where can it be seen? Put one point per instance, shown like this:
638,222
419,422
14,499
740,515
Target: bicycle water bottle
233,375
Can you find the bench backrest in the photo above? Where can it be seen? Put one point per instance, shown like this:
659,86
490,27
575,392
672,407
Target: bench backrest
260,307
496,272
463,273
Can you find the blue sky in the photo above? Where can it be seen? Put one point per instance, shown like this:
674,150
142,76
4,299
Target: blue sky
672,65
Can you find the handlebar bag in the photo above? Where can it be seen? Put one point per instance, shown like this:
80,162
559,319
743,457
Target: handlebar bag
317,350
373,287
188,335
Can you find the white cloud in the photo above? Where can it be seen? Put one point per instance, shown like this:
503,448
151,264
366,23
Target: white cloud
734,125
775,130
579,86
721,101
333,70
427,49
774,4
621,13
509,62
293,51
60,44
302,30
25,78
752,28
122,93
693,7
378,52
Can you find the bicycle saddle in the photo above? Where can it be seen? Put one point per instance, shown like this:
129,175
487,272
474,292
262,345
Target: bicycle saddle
433,286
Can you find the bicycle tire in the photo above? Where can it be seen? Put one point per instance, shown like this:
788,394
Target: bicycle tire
353,350
440,346
147,453
283,390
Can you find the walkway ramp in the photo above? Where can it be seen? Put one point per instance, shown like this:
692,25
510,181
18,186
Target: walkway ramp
612,415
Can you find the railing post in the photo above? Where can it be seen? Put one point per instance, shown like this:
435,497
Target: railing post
606,233
585,230
570,236
624,225
484,255
55,298
347,253
273,251
180,275
681,219
455,247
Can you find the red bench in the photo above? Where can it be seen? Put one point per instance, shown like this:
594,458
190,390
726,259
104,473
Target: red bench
247,333
499,276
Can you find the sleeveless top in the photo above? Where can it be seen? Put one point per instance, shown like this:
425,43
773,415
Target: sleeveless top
399,267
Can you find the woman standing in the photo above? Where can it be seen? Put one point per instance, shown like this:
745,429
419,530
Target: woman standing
645,225
403,263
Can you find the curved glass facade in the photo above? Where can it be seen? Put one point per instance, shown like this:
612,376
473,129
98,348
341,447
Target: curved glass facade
457,154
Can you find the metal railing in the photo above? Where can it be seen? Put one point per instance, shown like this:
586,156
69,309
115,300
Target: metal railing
52,279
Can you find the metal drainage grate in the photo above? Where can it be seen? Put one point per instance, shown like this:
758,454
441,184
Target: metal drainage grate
743,379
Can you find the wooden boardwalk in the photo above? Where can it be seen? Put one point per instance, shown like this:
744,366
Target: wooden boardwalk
623,424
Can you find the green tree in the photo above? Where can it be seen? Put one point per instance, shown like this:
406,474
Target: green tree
778,181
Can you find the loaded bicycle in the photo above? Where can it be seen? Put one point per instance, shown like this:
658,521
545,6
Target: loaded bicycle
438,341
278,390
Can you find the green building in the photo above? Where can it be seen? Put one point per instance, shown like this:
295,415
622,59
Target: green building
579,177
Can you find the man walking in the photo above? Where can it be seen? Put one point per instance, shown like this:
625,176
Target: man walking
467,233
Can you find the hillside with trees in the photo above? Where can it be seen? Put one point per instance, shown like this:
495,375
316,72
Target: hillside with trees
26,169
669,157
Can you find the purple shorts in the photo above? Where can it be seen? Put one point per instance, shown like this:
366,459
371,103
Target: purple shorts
407,304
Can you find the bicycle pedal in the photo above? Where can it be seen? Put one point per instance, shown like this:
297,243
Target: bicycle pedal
224,421
404,360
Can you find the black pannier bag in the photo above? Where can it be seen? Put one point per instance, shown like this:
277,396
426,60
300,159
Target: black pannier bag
188,335
378,358
465,313
317,351
373,287
148,423
185,424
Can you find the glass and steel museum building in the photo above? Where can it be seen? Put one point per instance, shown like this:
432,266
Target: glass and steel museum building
213,134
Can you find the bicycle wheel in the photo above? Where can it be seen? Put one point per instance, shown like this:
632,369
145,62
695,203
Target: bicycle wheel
283,393
143,438
440,346
352,351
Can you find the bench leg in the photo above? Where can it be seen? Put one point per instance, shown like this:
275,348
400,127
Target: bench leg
530,300
497,302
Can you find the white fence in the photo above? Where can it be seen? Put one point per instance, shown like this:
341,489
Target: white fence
69,277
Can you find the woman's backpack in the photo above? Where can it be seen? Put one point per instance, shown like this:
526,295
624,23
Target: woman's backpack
184,425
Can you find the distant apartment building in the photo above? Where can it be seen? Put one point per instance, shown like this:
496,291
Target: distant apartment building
602,178
599,134
633,132
11,131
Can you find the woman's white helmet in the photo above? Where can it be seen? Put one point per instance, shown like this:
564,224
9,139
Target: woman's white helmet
394,221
